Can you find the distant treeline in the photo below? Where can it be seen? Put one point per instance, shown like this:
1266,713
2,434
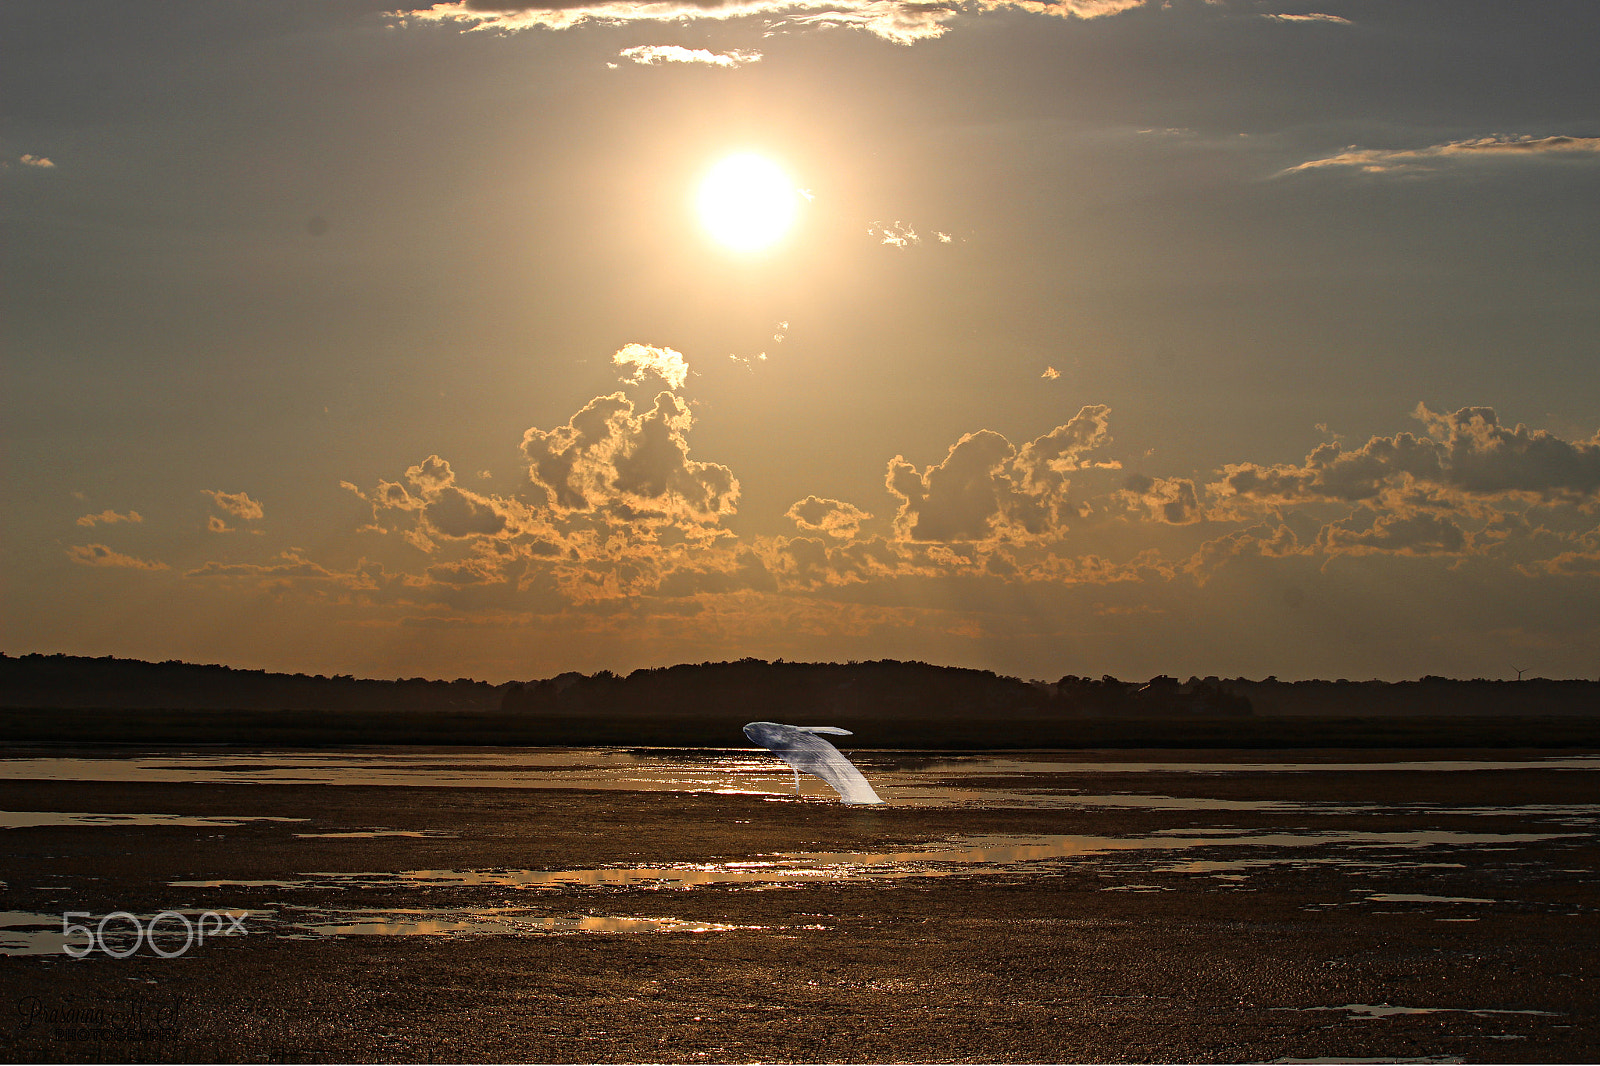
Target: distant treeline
77,681
890,690
886,704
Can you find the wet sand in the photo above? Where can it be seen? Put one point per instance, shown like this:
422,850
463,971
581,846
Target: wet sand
1373,943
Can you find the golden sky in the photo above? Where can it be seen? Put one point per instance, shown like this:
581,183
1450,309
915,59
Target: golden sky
1105,336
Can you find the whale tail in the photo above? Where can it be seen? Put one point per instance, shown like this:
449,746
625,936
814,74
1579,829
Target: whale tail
807,752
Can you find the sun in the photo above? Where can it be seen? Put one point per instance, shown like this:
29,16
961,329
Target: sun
747,202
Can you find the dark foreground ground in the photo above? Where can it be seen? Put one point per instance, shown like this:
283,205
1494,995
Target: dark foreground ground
1105,958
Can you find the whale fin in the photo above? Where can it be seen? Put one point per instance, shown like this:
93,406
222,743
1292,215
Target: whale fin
833,729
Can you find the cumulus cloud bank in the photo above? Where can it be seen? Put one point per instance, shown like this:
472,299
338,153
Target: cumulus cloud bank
1468,453
616,516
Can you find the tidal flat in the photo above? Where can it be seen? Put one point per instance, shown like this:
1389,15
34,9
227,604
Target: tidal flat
607,905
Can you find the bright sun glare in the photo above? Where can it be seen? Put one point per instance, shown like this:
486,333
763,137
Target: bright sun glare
747,202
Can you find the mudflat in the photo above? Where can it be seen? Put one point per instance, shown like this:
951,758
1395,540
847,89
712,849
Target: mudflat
1129,915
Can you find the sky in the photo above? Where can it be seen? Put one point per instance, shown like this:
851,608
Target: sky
1197,337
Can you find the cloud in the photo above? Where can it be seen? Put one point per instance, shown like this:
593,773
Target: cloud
651,54
833,517
1410,534
108,517
1314,16
899,21
292,566
1262,541
611,461
895,235
986,488
238,504
1170,500
1392,160
1042,463
100,555
1465,454
443,509
37,161
663,363
1050,373
1487,459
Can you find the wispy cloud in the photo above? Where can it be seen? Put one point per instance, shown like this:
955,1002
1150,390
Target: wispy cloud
288,566
653,54
895,234
39,161
238,504
1314,16
100,555
898,21
1392,160
108,516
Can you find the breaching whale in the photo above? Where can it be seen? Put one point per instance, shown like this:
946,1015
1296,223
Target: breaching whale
801,748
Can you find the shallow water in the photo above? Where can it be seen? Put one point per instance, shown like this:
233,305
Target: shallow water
965,855
36,819
903,779
27,933
497,921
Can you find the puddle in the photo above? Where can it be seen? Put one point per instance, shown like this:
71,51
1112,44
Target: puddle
1385,1010
964,855
1202,866
1413,897
1434,1060
26,933
36,819
501,922
368,834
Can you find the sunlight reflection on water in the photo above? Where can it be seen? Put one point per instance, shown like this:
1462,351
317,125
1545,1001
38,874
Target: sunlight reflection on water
904,779
966,855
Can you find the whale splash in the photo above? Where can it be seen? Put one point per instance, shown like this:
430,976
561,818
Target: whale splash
803,749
